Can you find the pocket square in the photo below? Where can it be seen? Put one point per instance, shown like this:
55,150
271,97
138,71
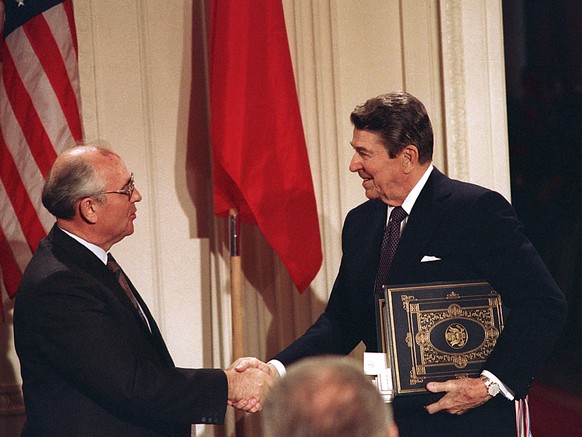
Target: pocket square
429,258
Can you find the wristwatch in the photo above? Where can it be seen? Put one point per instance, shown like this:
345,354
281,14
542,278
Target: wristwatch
492,386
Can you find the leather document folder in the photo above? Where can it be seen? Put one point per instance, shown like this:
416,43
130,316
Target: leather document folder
437,331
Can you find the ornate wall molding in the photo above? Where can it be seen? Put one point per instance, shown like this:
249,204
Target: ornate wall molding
474,93
454,89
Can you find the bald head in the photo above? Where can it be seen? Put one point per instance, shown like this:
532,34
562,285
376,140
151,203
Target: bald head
74,176
92,194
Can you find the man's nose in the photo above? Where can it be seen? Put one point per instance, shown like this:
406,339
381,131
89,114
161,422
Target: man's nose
355,163
136,196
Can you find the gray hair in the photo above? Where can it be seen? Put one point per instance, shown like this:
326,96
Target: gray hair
71,178
324,397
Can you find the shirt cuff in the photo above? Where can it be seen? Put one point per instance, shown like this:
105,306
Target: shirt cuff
505,391
279,366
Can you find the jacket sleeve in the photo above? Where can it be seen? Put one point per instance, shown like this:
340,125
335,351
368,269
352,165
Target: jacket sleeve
537,307
78,329
349,315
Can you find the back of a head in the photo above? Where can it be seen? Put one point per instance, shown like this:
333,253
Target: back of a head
325,397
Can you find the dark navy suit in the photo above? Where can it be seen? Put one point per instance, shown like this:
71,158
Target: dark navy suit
476,235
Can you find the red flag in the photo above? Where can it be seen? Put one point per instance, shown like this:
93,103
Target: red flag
260,162
39,118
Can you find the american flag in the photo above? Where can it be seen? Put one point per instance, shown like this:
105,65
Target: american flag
39,118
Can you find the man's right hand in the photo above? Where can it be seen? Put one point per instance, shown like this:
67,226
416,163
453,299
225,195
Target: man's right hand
249,380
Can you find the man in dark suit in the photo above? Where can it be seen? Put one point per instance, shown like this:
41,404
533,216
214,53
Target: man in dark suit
92,359
451,231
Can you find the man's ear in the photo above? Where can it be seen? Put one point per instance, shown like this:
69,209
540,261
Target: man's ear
88,210
409,156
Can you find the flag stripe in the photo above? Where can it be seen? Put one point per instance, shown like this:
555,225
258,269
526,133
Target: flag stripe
18,197
67,42
44,44
30,177
26,114
21,252
39,118
68,6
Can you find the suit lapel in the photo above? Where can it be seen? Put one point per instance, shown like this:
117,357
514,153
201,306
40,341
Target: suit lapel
424,219
155,331
365,247
71,250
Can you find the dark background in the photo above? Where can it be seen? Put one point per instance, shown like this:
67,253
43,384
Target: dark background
543,57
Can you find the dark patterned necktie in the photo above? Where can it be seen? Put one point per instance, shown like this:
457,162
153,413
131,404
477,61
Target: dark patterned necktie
122,279
389,244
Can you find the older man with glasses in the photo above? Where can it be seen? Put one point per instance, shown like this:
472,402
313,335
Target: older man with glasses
93,361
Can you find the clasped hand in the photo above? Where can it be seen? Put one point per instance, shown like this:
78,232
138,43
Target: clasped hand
249,380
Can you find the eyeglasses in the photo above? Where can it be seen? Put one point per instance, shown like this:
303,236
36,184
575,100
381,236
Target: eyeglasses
128,192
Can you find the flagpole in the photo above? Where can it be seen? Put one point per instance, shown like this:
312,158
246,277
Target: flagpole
236,303
236,300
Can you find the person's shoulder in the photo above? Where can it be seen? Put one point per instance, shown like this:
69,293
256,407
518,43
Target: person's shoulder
465,192
58,258
453,186
42,265
371,206
366,212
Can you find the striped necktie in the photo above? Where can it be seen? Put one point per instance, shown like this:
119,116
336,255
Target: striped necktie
122,279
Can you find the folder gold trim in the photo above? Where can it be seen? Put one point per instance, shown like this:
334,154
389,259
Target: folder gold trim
437,331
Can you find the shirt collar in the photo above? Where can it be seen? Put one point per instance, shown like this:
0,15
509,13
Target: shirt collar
99,252
414,193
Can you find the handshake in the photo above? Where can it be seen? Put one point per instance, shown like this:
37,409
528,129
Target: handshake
249,380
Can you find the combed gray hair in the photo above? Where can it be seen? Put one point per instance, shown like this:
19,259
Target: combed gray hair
71,178
325,397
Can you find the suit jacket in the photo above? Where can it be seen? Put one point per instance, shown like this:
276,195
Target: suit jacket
90,366
475,233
